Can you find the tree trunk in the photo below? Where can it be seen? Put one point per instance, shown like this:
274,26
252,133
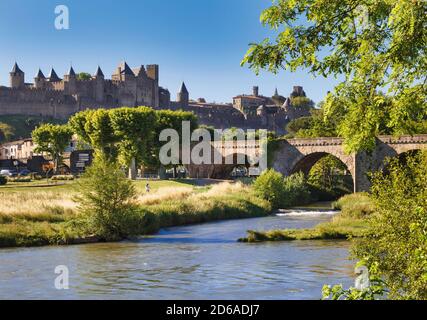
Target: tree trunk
132,169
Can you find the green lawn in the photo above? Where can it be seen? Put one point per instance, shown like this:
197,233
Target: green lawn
67,186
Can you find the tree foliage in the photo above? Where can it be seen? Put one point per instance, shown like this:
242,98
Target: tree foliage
282,192
52,139
6,132
374,45
106,201
128,133
329,174
84,76
398,241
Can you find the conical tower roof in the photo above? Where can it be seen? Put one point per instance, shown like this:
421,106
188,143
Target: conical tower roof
40,75
183,88
16,69
99,72
53,76
72,72
125,69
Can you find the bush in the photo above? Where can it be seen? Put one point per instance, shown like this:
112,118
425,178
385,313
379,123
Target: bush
270,186
63,178
398,241
355,206
296,190
107,201
20,179
282,192
3,180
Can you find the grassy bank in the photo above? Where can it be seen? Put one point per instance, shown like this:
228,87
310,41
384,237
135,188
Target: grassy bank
351,222
32,216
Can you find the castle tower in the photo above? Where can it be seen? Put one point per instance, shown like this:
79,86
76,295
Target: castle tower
39,80
153,73
99,85
17,77
123,73
183,97
255,91
53,77
70,80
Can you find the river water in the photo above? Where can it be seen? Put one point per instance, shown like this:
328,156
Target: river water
191,262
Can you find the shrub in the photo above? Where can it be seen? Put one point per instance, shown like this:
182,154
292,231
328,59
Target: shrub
282,192
63,178
107,201
356,206
3,180
20,179
398,240
296,190
270,186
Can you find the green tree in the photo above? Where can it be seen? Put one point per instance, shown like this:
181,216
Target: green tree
52,139
374,45
328,174
397,244
282,192
106,201
303,123
6,132
130,135
84,76
302,103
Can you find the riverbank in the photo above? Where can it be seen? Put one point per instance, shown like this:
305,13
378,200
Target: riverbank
49,215
351,222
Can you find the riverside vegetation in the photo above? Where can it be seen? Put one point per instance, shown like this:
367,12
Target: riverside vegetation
105,206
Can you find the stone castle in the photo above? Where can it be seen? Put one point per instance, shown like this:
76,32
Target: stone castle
54,97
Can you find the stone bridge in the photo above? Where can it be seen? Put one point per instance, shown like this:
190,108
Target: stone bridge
296,155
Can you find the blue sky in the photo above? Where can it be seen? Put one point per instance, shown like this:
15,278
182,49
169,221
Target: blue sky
200,42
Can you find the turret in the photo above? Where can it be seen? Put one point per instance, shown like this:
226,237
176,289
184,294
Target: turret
17,77
255,91
99,85
123,73
70,80
183,97
153,72
53,77
39,80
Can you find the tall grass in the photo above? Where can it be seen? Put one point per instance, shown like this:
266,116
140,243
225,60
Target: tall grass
165,194
51,217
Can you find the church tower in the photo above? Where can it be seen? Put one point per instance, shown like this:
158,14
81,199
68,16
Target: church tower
17,77
183,97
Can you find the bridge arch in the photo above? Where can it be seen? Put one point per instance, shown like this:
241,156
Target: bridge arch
308,162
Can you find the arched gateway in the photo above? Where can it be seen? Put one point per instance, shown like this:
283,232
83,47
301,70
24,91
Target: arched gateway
295,155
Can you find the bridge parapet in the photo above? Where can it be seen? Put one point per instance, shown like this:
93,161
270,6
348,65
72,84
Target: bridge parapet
419,138
327,141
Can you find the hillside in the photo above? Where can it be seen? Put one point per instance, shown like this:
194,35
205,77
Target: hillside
22,126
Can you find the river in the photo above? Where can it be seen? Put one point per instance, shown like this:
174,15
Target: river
192,262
